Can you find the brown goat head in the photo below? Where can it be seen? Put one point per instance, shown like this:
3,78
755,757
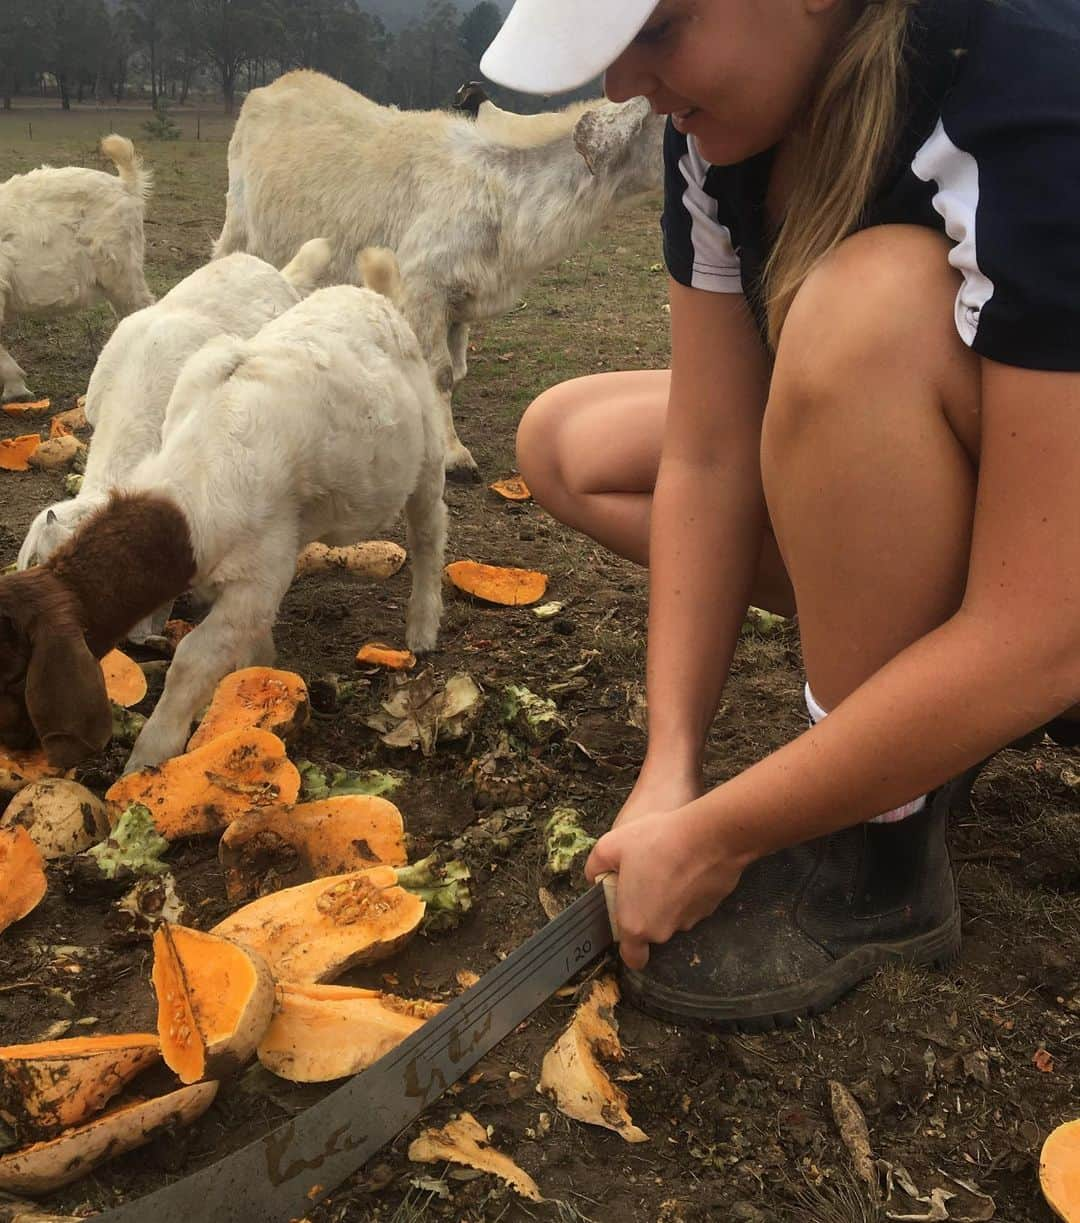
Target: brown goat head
51,685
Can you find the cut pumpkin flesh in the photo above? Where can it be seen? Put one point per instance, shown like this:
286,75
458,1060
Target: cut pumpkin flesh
377,654
508,587
323,1032
27,408
259,698
51,1165
17,769
283,846
465,1141
15,452
572,1074
513,488
205,790
316,931
22,875
215,999
52,1085
1059,1171
125,682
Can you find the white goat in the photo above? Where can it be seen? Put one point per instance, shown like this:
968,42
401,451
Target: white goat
68,238
521,131
471,220
323,426
138,367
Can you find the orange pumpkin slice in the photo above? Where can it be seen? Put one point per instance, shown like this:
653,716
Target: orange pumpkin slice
1059,1171
260,698
323,1032
29,408
286,846
15,452
376,654
316,931
51,1085
513,488
205,790
125,682
51,1165
215,999
507,587
374,558
22,876
18,769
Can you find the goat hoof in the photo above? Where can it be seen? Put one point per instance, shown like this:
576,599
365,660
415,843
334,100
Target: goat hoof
464,474
23,396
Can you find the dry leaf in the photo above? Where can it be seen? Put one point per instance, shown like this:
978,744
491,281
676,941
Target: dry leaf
856,1137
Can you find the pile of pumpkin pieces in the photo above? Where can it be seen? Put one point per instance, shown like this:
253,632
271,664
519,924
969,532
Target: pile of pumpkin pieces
257,983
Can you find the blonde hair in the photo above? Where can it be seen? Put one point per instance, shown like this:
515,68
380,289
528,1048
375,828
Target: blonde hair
847,138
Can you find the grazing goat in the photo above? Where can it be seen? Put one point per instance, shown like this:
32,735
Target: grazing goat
68,238
134,376
470,220
521,131
323,426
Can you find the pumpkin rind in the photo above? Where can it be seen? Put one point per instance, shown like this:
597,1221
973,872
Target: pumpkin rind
256,698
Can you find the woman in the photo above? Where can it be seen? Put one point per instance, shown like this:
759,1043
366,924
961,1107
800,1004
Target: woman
872,225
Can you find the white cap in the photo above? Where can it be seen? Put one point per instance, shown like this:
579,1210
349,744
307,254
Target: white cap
550,46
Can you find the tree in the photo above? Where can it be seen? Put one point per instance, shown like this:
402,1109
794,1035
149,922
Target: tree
479,27
232,31
429,61
148,21
21,52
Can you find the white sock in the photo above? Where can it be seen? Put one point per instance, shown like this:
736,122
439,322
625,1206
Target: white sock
816,713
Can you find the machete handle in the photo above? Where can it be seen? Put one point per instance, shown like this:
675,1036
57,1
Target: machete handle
609,881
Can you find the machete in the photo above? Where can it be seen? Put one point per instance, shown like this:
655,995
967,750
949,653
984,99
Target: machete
281,1176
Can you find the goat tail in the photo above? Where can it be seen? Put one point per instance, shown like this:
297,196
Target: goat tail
379,272
134,175
308,265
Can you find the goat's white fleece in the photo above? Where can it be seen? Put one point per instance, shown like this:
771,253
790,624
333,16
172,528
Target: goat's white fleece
71,237
324,426
134,376
471,220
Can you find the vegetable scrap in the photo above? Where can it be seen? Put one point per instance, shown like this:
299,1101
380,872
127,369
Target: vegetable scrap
375,558
314,932
572,1074
204,790
255,698
493,584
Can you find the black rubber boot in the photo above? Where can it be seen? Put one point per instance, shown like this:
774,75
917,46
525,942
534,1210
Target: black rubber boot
807,924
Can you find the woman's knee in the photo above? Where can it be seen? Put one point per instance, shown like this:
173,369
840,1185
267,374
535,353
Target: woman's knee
877,313
539,440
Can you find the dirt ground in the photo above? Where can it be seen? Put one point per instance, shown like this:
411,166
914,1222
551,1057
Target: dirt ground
961,1074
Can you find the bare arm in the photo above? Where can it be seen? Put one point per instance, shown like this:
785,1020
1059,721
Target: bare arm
1006,662
708,516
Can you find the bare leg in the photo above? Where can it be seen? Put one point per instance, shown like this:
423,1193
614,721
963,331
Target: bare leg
590,450
870,451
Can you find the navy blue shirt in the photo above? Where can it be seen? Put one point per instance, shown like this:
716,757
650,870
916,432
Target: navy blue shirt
988,154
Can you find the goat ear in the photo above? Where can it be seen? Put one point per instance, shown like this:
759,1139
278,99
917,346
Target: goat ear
66,699
602,135
50,518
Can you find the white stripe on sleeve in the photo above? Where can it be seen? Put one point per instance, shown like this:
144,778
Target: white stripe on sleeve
956,174
716,265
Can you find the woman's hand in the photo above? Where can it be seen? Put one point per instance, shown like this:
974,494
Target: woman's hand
673,868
